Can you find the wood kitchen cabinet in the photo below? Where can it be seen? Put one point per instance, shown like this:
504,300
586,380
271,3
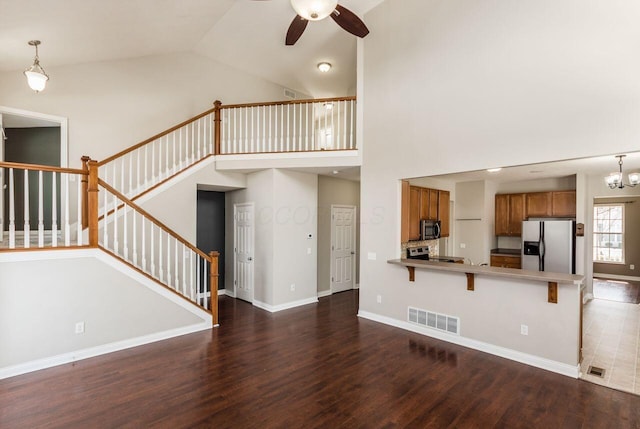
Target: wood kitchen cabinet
506,261
510,212
539,204
422,203
563,204
443,213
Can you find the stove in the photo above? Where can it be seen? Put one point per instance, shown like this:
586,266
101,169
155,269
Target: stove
418,253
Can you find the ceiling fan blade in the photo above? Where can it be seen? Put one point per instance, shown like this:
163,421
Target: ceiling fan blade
295,30
349,21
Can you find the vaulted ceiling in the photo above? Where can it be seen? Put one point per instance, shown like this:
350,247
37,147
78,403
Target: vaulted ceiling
245,34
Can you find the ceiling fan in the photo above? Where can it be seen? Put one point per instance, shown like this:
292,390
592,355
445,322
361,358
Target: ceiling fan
315,10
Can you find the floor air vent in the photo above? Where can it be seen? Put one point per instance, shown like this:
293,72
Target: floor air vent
433,320
594,370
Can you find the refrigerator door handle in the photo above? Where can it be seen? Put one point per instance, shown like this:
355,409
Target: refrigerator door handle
541,256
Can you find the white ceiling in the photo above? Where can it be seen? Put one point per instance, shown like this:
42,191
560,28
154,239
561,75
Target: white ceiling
601,165
246,34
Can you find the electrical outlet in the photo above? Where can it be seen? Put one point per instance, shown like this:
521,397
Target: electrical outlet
293,287
80,328
463,245
524,330
308,250
632,267
379,299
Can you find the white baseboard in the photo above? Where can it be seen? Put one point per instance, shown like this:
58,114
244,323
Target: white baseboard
35,365
323,293
616,277
528,359
357,286
285,306
230,293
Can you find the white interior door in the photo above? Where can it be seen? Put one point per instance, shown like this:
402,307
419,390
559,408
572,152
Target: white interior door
243,250
343,248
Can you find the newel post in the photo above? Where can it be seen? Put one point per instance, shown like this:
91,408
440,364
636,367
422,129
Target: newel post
92,203
217,123
213,285
85,183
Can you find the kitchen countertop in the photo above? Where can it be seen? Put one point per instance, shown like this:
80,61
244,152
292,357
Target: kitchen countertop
542,276
444,258
506,252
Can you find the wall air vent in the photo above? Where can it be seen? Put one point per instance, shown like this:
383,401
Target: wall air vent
289,93
441,322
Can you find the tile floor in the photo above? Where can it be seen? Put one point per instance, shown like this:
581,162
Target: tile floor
611,341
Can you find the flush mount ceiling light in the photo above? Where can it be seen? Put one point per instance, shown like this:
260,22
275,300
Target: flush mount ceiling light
494,170
614,180
36,77
314,10
324,66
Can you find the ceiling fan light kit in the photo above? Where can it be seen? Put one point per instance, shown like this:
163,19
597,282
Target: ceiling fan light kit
36,76
314,10
614,180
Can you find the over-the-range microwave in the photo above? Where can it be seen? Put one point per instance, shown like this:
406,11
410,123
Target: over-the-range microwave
429,229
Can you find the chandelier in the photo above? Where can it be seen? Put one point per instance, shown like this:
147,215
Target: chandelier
614,180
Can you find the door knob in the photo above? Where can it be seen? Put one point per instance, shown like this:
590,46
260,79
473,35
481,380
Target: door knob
249,258
353,253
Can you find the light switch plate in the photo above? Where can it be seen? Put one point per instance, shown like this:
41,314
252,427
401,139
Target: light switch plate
372,256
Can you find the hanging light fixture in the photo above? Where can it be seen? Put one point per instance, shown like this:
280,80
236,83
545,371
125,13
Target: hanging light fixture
36,77
614,180
314,10
324,66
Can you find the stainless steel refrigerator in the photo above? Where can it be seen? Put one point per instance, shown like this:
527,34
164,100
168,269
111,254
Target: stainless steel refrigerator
549,245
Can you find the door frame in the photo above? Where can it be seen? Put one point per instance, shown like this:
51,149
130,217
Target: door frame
353,242
253,242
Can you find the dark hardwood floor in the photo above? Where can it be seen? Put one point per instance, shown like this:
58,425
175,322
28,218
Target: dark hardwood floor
313,366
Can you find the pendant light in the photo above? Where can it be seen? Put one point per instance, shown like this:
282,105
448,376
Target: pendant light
614,180
314,10
36,77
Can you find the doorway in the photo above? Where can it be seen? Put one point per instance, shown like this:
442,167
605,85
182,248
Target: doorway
210,222
243,245
343,248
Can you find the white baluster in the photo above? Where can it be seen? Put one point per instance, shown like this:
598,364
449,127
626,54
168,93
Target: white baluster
332,146
235,130
130,191
337,135
299,139
198,277
152,249
199,142
306,134
27,226
270,139
176,269
193,143
351,146
175,161
81,198
54,210
116,244
288,126
153,163
180,141
105,221
40,210
143,243
146,167
12,211
167,168
252,142
210,123
138,171
169,258
134,238
191,275
204,283
160,255
67,226
125,233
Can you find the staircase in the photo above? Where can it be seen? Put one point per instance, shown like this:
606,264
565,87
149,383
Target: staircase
95,207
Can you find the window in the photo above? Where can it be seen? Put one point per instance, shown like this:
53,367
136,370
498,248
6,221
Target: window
608,233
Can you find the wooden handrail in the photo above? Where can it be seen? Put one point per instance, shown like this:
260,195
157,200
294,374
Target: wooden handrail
276,103
37,167
157,136
162,226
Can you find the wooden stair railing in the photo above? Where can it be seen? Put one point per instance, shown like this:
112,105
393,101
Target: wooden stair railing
43,205
131,234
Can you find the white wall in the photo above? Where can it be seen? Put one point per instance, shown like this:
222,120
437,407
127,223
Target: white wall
114,104
334,191
42,300
474,85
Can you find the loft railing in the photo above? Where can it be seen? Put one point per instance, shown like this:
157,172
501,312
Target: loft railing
288,126
326,124
40,206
